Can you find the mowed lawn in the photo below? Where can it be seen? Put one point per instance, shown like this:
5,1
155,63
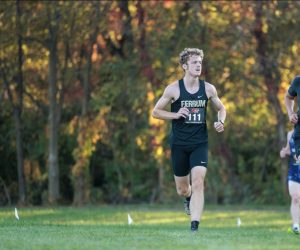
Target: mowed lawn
154,227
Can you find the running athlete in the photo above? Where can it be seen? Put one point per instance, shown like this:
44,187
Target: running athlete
188,137
293,179
293,91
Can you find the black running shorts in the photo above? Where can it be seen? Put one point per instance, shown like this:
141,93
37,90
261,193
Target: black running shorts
184,158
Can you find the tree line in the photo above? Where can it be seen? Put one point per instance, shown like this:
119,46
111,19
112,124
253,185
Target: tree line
79,81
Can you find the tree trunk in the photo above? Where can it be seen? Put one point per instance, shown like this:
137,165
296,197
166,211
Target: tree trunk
20,159
148,72
53,178
86,88
272,78
82,180
5,191
80,194
18,112
88,66
280,126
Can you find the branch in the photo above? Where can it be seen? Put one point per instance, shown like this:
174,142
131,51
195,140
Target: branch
39,104
44,43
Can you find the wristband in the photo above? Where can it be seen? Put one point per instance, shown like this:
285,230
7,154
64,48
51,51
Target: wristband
222,122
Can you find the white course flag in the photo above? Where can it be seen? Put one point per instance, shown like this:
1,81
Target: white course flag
130,220
16,214
238,222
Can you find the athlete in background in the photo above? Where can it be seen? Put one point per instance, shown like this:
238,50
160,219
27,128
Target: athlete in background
293,179
292,93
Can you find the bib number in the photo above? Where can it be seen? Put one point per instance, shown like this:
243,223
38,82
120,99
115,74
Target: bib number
196,116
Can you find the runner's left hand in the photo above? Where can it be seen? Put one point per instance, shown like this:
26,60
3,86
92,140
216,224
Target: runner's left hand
219,127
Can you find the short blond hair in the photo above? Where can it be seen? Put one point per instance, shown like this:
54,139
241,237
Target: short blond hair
187,53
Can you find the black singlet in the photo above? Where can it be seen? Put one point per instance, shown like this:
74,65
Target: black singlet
192,129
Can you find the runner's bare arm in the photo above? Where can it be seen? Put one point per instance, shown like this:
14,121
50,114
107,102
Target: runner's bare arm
289,104
285,151
289,135
160,111
212,94
218,104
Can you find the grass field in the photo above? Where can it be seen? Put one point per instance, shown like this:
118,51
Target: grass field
154,227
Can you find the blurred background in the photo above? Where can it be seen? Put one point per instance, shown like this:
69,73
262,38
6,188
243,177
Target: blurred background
79,81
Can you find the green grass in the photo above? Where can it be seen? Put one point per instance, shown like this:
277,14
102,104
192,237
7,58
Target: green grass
155,227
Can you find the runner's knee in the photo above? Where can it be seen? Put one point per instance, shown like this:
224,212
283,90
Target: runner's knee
295,199
198,184
183,191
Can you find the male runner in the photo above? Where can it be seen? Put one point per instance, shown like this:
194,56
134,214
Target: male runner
188,138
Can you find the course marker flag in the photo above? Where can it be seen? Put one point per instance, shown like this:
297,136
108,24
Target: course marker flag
130,220
16,214
238,222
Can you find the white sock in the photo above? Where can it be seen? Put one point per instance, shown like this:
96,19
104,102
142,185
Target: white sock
296,225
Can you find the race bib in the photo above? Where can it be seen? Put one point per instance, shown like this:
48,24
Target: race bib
196,115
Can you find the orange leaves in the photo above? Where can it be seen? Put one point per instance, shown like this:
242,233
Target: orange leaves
168,4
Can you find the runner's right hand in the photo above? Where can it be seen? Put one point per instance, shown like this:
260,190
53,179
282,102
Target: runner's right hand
283,152
183,112
293,118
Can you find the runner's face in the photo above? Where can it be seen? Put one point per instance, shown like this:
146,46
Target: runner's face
194,65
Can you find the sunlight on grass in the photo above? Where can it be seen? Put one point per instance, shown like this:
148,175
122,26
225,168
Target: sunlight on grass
154,221
160,227
26,214
101,216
